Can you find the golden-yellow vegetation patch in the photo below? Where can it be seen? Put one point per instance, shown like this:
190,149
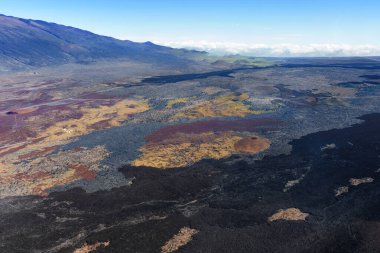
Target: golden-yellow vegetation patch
183,149
112,116
173,102
222,106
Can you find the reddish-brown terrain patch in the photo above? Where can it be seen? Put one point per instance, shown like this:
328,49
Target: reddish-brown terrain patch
252,145
13,129
37,153
83,171
11,150
242,125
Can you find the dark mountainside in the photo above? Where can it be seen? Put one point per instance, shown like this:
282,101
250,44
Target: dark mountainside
25,43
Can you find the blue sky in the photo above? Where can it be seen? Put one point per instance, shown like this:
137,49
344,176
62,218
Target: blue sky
267,26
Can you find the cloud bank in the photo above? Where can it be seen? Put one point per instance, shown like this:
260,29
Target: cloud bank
278,50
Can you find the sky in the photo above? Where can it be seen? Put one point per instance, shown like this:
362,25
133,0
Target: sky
249,27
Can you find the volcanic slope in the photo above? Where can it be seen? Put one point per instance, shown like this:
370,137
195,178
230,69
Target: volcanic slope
26,42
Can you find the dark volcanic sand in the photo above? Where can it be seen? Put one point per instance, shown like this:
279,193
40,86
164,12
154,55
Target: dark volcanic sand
228,204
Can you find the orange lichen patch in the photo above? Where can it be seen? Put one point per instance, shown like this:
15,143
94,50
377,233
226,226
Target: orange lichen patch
359,181
42,173
86,248
211,90
183,149
223,106
252,144
291,214
183,237
173,102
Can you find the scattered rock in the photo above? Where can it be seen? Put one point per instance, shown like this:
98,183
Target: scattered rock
292,183
64,219
41,215
358,181
328,146
341,190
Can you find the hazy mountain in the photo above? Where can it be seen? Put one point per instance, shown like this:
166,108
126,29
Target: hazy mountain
37,43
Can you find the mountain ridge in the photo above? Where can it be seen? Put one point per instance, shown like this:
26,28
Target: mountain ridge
35,43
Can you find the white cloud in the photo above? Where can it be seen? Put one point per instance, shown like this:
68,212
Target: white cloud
278,49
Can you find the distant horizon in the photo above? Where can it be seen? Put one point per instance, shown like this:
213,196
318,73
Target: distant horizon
259,28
